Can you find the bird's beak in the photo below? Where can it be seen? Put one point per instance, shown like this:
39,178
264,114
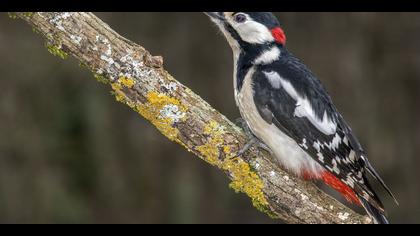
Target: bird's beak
215,15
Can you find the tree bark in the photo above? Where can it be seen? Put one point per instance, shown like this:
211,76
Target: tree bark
139,80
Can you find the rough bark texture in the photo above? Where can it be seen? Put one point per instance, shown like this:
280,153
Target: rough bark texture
139,81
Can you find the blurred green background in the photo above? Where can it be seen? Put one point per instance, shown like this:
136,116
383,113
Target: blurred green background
70,154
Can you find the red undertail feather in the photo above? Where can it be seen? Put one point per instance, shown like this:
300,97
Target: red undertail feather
342,188
335,183
306,175
279,35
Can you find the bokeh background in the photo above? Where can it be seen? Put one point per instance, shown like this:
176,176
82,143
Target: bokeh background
70,154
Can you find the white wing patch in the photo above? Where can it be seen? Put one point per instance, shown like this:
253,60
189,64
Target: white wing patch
334,167
320,157
349,180
303,144
268,56
352,156
345,140
303,106
334,143
317,146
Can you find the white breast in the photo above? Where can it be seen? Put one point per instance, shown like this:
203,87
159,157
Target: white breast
286,150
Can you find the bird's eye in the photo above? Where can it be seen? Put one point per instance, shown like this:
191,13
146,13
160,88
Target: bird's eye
240,18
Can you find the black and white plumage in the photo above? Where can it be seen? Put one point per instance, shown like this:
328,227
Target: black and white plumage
288,109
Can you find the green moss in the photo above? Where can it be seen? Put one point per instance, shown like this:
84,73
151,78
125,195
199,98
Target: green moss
101,78
12,15
35,30
83,65
265,209
28,14
56,51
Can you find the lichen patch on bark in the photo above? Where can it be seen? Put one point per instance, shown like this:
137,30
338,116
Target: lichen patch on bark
244,179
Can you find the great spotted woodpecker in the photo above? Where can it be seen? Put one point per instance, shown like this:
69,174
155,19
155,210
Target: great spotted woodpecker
287,108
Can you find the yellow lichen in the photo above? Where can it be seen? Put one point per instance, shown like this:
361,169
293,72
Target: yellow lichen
152,112
123,82
244,179
151,109
210,150
226,149
119,95
116,86
127,82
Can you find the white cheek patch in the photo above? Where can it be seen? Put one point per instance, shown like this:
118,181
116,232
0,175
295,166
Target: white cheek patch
251,31
303,106
254,33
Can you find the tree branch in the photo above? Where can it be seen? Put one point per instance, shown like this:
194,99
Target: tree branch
138,80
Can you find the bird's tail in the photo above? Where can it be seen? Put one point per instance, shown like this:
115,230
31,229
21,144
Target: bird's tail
377,215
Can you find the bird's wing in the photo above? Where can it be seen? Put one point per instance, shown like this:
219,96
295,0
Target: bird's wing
293,99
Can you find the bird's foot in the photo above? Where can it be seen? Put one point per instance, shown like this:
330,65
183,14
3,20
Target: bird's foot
253,140
242,123
247,146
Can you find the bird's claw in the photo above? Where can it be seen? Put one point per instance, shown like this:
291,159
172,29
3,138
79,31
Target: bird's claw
247,146
254,141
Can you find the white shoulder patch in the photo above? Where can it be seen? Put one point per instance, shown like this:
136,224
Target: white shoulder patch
303,106
268,56
274,79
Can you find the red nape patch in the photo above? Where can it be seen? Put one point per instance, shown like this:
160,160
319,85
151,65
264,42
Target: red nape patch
279,35
342,188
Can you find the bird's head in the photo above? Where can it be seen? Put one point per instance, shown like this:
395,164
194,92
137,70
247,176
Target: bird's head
248,29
